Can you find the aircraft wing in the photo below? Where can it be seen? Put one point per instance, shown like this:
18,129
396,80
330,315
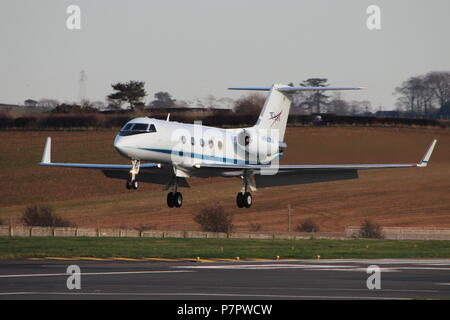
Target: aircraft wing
46,161
278,175
148,172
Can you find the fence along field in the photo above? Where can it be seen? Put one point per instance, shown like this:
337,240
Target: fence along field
391,198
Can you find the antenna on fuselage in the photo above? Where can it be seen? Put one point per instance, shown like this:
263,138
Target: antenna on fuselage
168,116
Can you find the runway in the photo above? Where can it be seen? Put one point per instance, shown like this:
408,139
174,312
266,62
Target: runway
225,280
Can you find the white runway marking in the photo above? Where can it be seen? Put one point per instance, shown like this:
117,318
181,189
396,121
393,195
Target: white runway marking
89,273
263,266
310,267
387,265
200,294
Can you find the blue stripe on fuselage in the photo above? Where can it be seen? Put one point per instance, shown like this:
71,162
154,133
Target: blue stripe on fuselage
206,157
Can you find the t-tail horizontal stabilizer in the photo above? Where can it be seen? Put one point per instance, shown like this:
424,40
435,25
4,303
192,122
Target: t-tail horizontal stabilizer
288,89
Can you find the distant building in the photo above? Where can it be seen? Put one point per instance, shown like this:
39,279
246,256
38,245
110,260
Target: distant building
6,105
31,103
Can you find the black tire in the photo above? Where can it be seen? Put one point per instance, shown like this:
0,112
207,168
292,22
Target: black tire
134,184
240,200
170,200
128,185
178,199
248,199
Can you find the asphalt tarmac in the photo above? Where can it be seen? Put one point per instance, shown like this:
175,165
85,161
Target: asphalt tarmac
225,280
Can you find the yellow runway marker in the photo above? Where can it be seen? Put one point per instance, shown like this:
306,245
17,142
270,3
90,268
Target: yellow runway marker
204,260
159,259
256,259
94,259
127,259
224,259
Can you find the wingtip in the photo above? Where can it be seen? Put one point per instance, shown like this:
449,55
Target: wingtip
46,156
427,156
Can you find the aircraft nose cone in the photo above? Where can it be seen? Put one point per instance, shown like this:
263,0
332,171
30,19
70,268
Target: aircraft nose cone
119,145
117,142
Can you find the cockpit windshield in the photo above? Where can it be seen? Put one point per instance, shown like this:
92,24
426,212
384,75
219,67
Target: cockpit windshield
136,128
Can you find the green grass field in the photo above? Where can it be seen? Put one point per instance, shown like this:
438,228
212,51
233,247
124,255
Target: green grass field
16,247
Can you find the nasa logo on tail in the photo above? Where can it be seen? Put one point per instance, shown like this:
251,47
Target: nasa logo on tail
275,117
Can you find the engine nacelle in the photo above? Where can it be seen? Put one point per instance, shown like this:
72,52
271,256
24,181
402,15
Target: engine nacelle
257,143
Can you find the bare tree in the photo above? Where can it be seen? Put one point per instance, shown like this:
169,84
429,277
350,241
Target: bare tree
99,105
410,92
439,83
210,101
48,103
250,104
339,106
162,100
424,94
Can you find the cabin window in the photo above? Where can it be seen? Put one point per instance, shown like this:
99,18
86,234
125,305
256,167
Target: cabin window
183,139
202,142
211,143
192,140
219,145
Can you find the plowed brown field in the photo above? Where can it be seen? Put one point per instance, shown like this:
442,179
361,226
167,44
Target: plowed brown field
393,197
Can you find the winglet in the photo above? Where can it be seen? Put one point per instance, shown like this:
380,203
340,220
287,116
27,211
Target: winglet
427,155
46,156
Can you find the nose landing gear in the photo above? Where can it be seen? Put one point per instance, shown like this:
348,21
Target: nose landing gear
132,183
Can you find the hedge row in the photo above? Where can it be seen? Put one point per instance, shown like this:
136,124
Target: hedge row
57,121
84,121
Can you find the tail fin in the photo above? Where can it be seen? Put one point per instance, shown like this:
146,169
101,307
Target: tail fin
275,112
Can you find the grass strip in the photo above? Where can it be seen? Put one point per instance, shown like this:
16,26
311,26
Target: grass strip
35,247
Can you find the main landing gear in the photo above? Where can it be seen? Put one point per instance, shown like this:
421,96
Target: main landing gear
174,198
244,198
132,182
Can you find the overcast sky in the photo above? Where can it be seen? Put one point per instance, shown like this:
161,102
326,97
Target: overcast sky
199,47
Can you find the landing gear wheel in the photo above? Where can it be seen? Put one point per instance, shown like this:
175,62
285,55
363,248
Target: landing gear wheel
132,184
240,200
170,200
247,199
178,199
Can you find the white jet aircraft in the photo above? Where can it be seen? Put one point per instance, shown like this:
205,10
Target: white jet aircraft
175,151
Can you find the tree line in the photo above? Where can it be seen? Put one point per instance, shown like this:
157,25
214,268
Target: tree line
423,96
